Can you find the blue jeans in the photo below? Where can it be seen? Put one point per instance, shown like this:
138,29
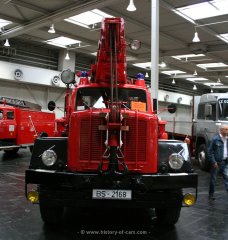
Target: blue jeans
223,169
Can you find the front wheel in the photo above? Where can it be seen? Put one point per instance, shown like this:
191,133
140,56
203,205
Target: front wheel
202,157
168,216
51,214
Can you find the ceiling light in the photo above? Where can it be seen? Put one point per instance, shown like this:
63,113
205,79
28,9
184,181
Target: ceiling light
62,41
171,72
194,87
147,75
195,73
205,10
6,44
51,29
212,65
145,65
3,23
173,82
193,79
67,57
212,91
218,81
163,64
87,19
196,38
184,56
131,7
214,84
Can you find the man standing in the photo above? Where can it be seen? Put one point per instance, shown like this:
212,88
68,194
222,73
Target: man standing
218,157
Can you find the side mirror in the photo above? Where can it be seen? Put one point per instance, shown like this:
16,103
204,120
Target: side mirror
208,110
172,108
51,106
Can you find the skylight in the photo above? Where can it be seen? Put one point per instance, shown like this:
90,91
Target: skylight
197,79
3,23
145,65
62,41
213,84
187,56
88,18
224,37
205,9
173,72
211,65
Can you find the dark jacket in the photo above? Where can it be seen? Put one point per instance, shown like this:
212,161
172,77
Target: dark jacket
216,149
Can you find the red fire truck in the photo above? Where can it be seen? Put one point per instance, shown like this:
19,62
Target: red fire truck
114,151
21,122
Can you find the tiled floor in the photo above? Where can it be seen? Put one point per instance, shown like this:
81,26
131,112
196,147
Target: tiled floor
19,220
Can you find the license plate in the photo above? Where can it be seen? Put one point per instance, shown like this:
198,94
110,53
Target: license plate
111,194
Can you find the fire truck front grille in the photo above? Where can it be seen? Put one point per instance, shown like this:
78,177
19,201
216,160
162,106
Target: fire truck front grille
134,140
92,140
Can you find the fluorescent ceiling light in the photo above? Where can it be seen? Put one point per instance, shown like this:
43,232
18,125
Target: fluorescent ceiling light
172,72
224,37
196,79
130,58
88,18
187,56
145,65
3,23
213,84
205,9
211,65
62,41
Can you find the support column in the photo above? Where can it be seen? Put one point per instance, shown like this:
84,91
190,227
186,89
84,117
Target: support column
154,52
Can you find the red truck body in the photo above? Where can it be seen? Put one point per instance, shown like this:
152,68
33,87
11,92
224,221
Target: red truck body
113,150
19,126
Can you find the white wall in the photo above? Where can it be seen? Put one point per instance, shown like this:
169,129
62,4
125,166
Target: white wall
35,85
181,121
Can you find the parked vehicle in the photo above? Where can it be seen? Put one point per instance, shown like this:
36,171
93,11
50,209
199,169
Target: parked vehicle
21,122
114,151
199,122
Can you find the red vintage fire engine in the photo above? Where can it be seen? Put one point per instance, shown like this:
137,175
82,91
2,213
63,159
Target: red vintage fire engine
21,122
114,150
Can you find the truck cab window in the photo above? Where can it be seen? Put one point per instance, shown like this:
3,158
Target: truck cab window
213,116
223,109
201,111
134,99
10,115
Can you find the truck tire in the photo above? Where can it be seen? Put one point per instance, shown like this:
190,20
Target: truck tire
31,148
202,158
167,216
51,214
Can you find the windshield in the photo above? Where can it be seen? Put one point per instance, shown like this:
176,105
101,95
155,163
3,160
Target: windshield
134,99
223,109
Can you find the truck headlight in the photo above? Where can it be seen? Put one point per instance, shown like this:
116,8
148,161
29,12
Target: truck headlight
49,157
176,161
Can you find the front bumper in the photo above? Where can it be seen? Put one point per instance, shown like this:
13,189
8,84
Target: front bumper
148,190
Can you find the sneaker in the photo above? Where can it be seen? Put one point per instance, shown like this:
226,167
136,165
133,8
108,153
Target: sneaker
211,197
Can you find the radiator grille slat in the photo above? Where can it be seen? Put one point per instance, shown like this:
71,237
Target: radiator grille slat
92,140
134,147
